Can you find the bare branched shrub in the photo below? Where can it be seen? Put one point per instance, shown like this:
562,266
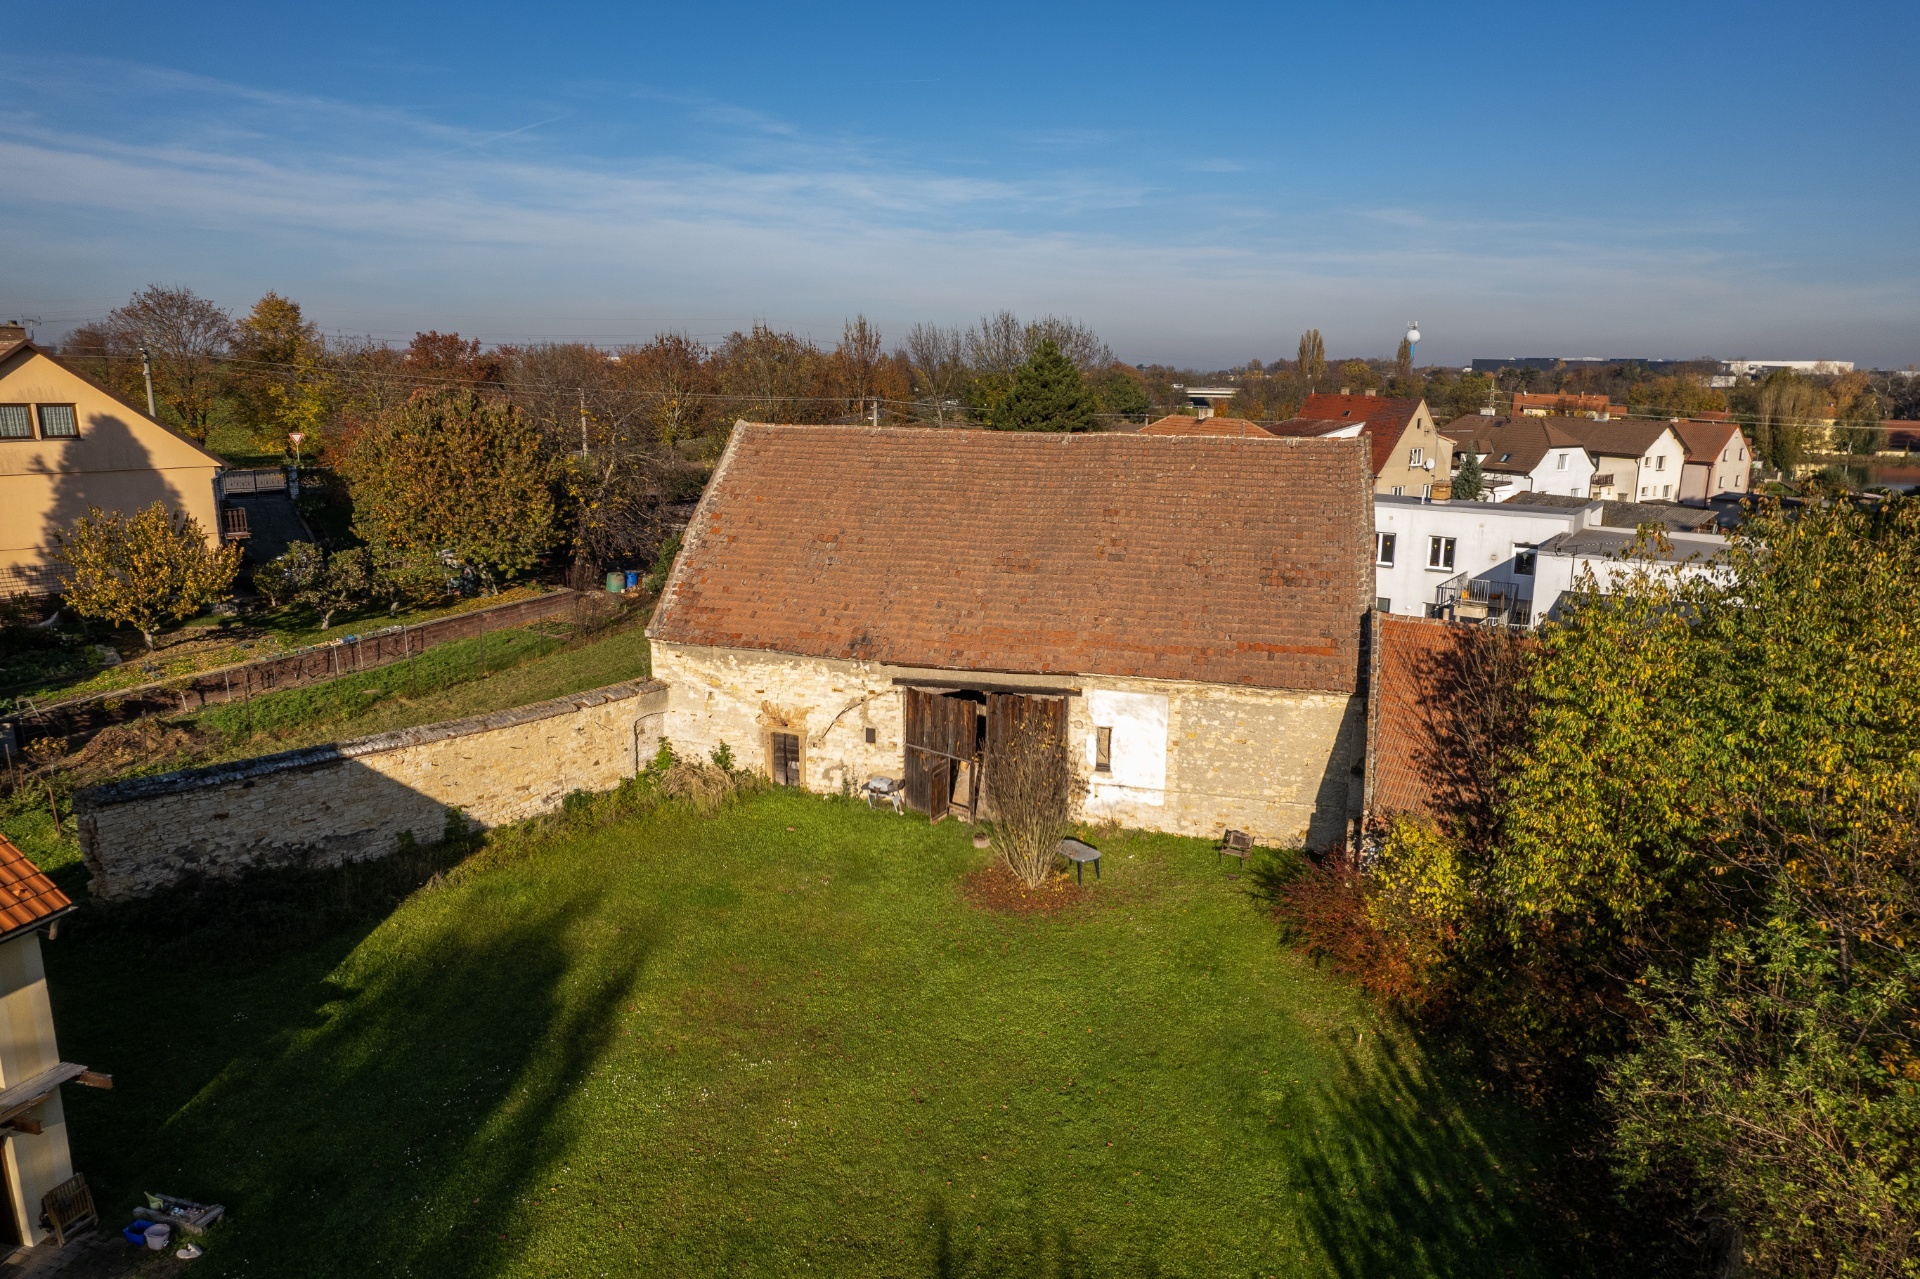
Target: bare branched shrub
1032,794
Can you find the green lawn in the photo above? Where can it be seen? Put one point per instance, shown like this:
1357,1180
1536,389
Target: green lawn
780,1041
467,677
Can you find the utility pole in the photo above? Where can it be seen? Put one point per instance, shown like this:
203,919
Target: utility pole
876,411
146,369
583,420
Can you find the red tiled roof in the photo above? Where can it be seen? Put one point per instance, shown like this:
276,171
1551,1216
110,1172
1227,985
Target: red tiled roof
1705,441
1386,418
1558,403
27,897
1203,558
1177,424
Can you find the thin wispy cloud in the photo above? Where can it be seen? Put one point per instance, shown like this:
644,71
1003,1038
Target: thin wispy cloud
374,212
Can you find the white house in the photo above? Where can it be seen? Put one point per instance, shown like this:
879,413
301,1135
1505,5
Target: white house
1426,554
1524,454
35,1169
1499,562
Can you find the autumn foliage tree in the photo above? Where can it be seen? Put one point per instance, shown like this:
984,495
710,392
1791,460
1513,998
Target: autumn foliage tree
1698,885
455,476
142,570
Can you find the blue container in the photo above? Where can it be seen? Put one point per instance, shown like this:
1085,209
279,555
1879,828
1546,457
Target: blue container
136,1234
633,579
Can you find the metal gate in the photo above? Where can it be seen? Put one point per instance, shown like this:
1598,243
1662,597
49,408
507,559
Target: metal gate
941,735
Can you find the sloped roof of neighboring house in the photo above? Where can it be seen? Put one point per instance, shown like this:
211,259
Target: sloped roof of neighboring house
28,899
33,349
1176,424
1629,514
1413,722
1602,439
1202,558
1705,441
1511,445
1558,401
1383,420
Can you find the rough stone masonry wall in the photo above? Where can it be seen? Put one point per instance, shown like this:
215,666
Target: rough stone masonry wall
1191,759
354,800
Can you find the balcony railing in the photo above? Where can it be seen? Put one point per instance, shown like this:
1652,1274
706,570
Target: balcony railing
1467,598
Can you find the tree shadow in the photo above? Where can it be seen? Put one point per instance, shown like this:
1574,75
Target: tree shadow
414,1086
1402,1172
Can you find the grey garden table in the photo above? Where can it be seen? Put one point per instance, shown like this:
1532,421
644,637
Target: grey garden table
1080,854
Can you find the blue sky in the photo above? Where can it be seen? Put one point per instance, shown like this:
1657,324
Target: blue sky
1200,183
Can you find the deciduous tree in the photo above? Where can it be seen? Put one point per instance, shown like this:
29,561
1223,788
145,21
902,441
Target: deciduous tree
1311,362
142,570
454,475
283,371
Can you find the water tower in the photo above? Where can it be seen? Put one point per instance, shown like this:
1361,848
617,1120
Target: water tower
1413,343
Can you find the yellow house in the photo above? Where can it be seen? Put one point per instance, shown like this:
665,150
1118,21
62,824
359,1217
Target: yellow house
67,443
33,1126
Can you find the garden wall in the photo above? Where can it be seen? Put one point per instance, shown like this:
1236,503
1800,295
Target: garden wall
76,721
355,800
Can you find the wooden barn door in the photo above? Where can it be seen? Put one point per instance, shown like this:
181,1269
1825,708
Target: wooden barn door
940,736
1007,713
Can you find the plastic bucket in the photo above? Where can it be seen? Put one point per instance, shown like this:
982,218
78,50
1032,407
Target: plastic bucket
633,579
157,1236
616,582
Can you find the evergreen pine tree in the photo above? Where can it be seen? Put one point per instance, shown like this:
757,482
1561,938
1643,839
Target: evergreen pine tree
1468,483
1048,395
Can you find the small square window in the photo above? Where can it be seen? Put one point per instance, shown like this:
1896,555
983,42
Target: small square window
1398,490
873,736
1439,552
1103,750
1417,458
57,422
1524,558
1383,549
16,423
1382,603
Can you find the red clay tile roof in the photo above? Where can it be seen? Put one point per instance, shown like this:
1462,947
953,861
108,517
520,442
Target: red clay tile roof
1410,721
1602,439
1179,425
1559,403
28,898
1705,441
1385,417
1202,558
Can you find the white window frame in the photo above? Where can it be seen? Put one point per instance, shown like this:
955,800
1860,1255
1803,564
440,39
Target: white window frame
1417,457
1384,547
1441,549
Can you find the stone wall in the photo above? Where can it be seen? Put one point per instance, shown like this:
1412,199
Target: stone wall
354,800
1192,759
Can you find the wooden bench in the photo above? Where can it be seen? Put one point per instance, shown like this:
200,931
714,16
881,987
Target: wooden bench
1235,843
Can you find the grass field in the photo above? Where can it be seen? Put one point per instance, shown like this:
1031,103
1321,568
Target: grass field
467,677
780,1041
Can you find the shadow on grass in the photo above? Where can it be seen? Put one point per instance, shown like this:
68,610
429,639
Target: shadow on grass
1404,1173
403,1078
1045,1253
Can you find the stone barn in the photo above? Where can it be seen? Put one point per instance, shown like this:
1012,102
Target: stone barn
853,602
